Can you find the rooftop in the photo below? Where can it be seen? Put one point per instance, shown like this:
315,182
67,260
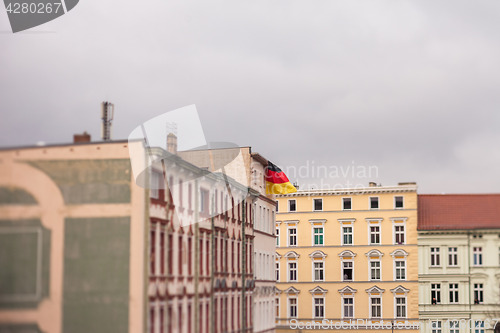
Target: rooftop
458,211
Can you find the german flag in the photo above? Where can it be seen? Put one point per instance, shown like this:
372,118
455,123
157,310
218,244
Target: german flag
276,181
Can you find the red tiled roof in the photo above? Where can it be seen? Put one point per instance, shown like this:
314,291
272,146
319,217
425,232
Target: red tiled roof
458,211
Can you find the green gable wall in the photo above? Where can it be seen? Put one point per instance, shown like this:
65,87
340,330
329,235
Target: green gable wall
96,275
89,181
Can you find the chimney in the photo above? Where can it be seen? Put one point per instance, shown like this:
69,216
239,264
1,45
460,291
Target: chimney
81,138
172,143
407,183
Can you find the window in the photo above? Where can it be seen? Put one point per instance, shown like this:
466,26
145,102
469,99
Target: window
156,184
346,204
399,234
454,326
319,271
319,307
477,255
292,237
479,327
435,293
292,271
318,204
435,259
435,327
277,271
453,287
277,237
452,256
277,206
204,201
373,202
292,205
375,307
348,307
374,270
478,293
277,303
292,306
318,235
375,234
398,202
400,267
400,307
347,235
347,270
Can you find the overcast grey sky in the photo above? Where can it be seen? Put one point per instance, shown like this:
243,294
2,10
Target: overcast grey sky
408,87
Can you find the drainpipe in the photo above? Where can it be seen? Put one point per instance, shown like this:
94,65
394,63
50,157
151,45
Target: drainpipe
244,264
212,270
468,274
197,252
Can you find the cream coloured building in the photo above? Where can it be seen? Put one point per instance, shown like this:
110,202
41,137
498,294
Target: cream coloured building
459,267
348,259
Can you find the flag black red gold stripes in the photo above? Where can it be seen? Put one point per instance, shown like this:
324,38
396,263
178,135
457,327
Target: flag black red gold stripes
276,181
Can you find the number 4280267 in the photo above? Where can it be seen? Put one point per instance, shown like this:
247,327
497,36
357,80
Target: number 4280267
33,8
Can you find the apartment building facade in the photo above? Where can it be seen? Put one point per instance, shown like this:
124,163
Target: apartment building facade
459,267
248,168
72,240
347,259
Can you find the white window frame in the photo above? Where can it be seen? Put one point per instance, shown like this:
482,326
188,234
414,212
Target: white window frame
436,326
289,312
289,228
314,269
480,291
314,297
479,326
370,310
454,326
399,222
346,223
436,290
402,198
344,297
453,289
396,306
374,260
453,254
322,227
371,222
351,261
436,254
314,205
289,270
343,203
289,202
396,269
477,256
277,273
344,234
370,203
379,233
277,236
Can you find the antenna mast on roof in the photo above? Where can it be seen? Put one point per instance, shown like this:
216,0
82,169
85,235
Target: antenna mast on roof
107,114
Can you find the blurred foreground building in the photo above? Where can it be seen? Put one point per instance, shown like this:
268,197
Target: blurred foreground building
83,248
347,259
459,268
